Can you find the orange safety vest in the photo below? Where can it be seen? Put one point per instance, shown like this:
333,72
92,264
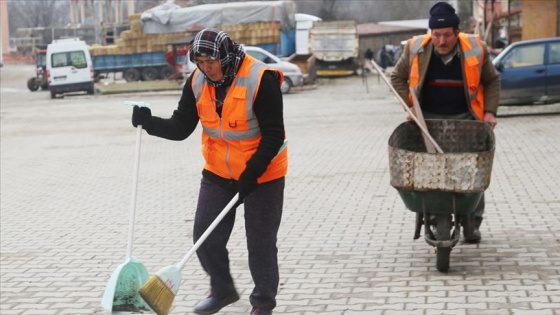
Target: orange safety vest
230,141
472,67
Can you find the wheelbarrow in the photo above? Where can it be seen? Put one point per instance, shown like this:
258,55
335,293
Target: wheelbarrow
443,189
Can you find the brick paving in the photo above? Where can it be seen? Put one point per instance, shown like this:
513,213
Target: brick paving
345,244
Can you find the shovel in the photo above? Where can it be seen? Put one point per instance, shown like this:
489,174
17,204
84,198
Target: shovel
121,293
431,144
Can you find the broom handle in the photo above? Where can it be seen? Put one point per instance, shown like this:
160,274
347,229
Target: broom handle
209,230
424,130
217,221
134,190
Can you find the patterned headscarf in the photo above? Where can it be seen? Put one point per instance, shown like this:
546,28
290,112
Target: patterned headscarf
211,42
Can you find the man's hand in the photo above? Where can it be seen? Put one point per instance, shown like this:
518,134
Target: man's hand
408,117
490,118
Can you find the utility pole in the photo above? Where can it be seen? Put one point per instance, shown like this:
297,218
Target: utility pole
72,12
117,8
4,29
131,7
100,10
82,9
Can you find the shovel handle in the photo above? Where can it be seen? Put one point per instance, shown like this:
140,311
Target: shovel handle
209,230
424,130
431,144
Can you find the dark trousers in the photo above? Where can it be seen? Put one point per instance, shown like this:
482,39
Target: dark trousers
263,213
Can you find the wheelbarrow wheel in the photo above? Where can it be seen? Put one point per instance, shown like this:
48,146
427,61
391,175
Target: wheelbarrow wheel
443,233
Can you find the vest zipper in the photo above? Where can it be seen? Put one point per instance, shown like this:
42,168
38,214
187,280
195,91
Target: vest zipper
223,138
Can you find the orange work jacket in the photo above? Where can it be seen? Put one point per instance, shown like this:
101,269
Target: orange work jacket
230,141
472,66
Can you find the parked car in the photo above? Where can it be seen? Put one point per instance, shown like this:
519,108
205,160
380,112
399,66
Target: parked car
69,67
530,72
292,73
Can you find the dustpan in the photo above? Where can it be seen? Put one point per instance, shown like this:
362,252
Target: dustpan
121,293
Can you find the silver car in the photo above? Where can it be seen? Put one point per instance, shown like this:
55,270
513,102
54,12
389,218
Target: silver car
292,73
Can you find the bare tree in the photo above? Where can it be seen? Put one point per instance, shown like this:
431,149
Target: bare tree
34,13
143,5
328,9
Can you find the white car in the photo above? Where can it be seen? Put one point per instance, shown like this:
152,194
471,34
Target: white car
292,73
69,67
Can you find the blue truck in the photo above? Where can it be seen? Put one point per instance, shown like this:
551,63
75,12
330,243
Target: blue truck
134,67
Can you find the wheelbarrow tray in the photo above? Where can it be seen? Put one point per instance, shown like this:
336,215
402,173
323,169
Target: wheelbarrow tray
432,179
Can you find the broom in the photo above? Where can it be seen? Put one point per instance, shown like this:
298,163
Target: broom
160,290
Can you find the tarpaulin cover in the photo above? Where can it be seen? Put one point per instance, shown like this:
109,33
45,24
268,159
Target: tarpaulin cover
171,18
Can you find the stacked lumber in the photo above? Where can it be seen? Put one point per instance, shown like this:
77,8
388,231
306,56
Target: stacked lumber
254,33
135,41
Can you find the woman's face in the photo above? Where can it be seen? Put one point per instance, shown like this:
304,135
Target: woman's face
212,68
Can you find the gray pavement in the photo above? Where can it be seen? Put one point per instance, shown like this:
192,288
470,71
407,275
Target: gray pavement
345,244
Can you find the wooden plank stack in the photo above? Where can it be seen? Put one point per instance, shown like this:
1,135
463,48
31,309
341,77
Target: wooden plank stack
135,41
254,33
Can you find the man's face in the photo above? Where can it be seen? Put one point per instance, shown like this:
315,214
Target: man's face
212,68
444,39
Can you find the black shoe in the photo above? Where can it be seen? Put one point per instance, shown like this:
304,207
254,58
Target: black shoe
211,305
474,237
259,311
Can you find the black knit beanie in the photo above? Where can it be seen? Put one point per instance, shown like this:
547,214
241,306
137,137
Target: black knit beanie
443,15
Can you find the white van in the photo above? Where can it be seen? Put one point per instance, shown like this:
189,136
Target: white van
69,67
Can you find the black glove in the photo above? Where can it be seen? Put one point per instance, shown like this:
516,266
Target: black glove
246,184
141,116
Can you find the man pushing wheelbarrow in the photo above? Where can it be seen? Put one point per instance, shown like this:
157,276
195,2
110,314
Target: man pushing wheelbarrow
453,78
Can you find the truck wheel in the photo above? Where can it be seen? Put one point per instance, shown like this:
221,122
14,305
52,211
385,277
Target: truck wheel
149,74
131,75
286,86
167,71
97,77
32,84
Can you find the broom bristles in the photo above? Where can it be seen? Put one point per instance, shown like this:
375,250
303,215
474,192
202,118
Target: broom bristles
157,295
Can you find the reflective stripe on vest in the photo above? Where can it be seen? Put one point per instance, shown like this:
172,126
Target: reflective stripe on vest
250,82
229,141
472,67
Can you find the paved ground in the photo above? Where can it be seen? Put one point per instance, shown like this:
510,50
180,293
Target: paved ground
345,243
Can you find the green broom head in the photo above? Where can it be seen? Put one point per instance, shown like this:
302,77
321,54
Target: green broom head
160,290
